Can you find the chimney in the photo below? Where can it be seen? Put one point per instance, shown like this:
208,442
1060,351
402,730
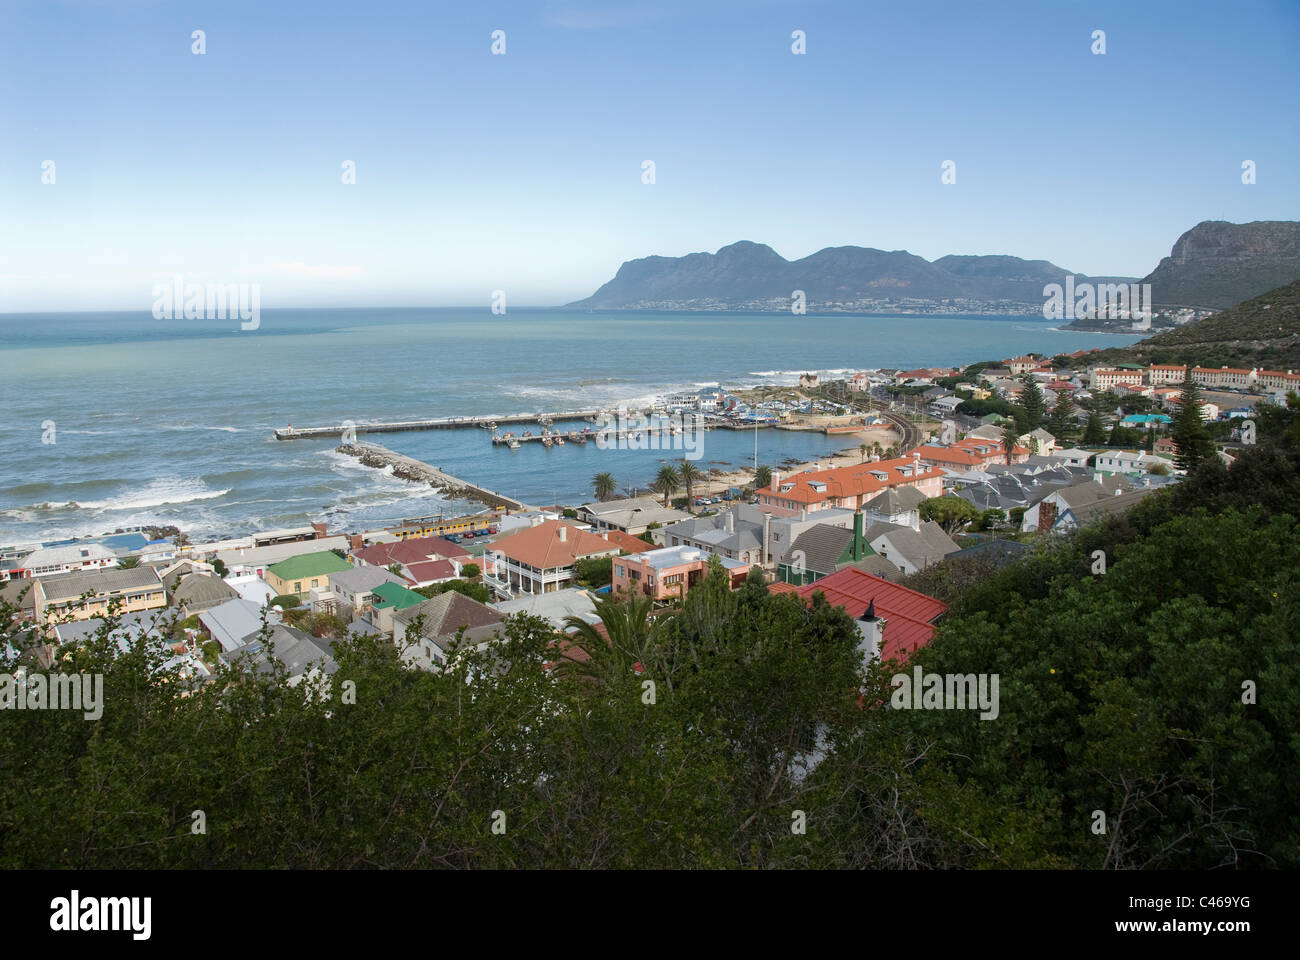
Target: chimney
355,541
767,536
564,533
776,483
731,521
857,546
871,633
320,529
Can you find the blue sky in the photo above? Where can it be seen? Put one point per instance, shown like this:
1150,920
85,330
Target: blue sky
522,172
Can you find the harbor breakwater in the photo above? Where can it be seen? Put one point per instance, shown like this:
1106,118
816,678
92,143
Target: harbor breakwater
417,471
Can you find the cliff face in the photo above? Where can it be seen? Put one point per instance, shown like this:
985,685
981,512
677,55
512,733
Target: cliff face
1216,264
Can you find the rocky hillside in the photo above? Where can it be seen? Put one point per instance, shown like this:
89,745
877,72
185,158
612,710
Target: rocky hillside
1261,332
1217,264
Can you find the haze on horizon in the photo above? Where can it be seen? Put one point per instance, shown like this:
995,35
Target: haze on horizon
523,172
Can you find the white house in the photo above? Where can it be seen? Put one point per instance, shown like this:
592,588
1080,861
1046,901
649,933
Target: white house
1126,461
73,558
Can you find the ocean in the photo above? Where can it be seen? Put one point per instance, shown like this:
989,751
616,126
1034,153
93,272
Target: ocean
117,419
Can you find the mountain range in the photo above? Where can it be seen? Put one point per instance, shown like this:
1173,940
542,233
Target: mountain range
1213,265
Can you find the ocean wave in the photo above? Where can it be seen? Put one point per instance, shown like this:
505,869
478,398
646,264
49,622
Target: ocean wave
164,491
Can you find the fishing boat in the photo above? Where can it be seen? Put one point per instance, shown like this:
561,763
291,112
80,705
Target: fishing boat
514,444
580,440
559,440
546,442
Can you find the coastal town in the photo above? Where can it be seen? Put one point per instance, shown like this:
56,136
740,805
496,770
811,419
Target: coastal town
940,466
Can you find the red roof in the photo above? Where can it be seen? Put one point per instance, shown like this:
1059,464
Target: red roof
844,481
414,550
910,614
553,544
429,571
627,542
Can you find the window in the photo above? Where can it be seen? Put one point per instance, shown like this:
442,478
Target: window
297,587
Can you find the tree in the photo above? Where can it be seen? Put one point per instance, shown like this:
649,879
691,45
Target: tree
762,477
604,485
1032,405
1010,437
1060,422
1094,432
690,475
128,563
220,568
1189,432
648,537
862,449
667,482
470,571
594,571
951,513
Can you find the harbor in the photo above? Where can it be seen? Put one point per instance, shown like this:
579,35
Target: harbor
408,468
348,429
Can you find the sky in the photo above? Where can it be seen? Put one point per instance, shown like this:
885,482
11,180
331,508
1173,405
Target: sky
523,171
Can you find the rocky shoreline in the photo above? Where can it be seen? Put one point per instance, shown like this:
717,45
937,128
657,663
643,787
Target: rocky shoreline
417,471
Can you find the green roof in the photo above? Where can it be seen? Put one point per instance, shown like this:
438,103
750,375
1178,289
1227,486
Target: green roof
309,565
396,596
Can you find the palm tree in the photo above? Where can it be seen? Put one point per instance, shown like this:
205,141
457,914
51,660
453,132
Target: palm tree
877,449
633,638
762,477
1010,434
667,482
862,449
690,475
604,485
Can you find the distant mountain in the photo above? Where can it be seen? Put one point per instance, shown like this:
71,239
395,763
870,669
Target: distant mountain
1217,264
750,276
1261,332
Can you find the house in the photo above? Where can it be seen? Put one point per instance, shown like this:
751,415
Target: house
1081,515
303,655
234,622
1126,461
242,561
412,552
555,607
387,600
440,619
1074,457
1042,516
739,534
897,505
201,591
1165,446
946,405
911,550
300,574
666,575
1023,365
822,550
1039,442
632,515
71,558
349,593
131,631
1107,378
625,542
60,596
540,559
893,621
968,453
849,487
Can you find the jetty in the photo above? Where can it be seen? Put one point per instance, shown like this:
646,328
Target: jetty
417,471
348,429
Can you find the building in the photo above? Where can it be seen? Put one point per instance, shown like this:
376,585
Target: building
349,593
968,454
739,534
1042,515
201,591
304,656
555,608
910,550
540,559
70,558
894,622
301,574
409,552
1224,377
440,619
387,600
632,515
1126,461
1159,374
233,623
849,487
1081,515
126,591
822,550
1107,378
245,560
666,575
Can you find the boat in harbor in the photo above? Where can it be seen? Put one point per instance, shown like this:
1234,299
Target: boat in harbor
513,444
546,442
559,440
